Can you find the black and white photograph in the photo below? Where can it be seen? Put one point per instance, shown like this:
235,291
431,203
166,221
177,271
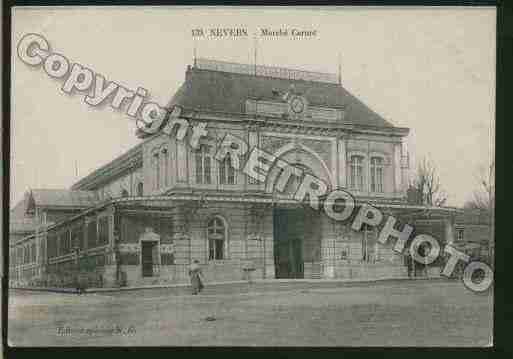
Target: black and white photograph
251,176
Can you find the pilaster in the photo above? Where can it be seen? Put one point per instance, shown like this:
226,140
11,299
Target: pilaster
341,155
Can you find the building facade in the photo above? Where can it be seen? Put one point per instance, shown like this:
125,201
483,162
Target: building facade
146,215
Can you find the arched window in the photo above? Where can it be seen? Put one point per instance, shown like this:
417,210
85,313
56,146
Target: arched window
226,171
216,234
203,165
376,174
140,189
357,172
124,193
165,167
156,169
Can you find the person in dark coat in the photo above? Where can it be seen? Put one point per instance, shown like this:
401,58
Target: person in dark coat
196,277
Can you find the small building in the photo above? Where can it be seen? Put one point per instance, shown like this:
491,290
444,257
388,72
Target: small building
146,215
474,234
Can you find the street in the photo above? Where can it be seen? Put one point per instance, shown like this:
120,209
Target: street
408,313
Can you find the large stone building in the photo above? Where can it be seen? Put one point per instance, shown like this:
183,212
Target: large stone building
143,217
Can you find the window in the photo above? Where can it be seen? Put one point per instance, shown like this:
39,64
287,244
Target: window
156,168
216,232
65,245
376,174
460,234
226,171
20,255
77,237
103,230
140,189
357,173
203,165
52,246
33,253
91,234
165,170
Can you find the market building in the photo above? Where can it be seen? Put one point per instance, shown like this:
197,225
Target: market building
146,215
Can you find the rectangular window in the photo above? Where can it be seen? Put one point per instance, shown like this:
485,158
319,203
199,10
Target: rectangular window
103,230
357,173
376,174
60,245
33,250
65,242
52,246
203,165
77,237
199,166
91,234
226,171
181,160
222,171
461,234
211,250
231,174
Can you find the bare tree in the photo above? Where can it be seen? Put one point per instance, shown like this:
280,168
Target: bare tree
483,197
425,188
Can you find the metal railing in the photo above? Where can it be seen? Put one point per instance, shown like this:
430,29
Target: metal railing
262,70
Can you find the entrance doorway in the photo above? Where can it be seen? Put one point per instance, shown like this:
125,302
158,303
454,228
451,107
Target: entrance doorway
289,229
148,249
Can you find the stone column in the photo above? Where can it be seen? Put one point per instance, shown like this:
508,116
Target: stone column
328,247
268,244
253,142
397,169
181,236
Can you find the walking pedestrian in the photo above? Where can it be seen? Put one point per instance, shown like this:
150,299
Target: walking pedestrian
196,277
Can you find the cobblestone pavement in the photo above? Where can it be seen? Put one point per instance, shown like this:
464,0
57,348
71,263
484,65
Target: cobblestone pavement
422,313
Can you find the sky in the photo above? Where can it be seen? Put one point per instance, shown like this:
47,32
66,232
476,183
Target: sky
429,69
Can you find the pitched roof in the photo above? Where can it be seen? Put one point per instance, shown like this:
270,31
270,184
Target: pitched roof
227,92
129,159
62,198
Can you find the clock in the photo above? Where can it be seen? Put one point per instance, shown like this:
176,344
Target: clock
297,104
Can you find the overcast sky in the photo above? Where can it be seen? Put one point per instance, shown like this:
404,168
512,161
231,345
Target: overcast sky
430,69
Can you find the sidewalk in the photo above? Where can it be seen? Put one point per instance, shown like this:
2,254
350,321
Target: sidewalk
246,286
